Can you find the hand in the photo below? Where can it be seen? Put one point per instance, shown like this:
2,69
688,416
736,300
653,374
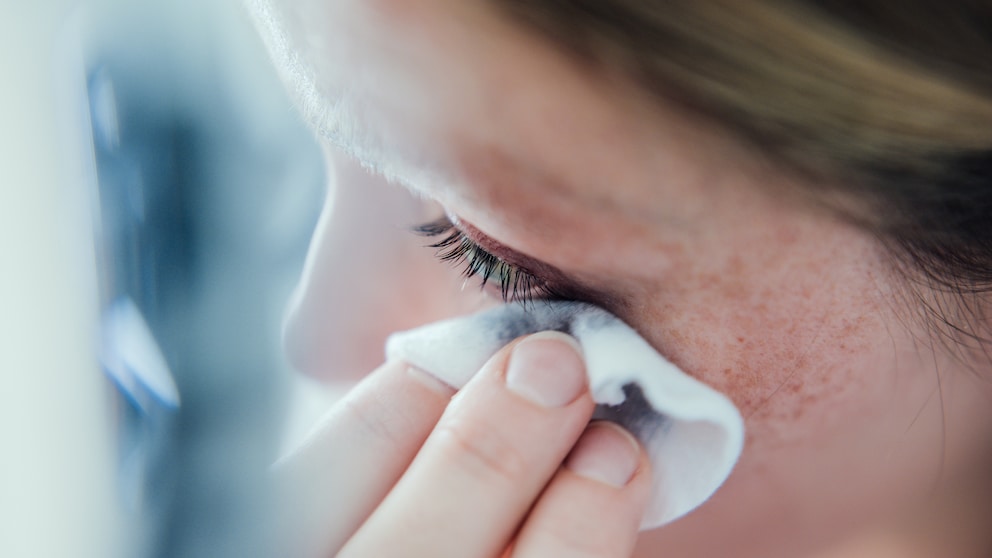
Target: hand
401,468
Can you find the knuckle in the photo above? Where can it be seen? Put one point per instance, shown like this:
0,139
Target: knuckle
571,535
485,451
575,536
374,419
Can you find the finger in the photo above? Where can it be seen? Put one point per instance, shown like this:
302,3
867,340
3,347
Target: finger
348,464
593,506
501,439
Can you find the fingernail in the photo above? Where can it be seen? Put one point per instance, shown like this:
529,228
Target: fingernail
606,453
547,368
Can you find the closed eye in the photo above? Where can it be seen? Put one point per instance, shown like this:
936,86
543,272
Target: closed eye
515,283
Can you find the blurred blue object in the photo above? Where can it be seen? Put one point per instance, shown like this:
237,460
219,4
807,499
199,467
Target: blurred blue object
132,358
209,186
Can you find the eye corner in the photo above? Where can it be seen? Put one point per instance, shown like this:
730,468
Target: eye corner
437,227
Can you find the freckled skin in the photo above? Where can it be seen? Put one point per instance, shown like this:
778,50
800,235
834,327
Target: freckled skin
702,249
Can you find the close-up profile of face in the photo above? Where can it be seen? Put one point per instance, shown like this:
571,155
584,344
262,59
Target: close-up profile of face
574,181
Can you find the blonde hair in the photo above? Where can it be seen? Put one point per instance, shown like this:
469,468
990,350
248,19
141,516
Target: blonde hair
887,103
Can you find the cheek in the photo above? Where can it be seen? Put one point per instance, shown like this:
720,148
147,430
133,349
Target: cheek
828,387
803,346
783,368
781,365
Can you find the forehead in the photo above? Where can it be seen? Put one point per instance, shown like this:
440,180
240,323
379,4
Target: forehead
447,96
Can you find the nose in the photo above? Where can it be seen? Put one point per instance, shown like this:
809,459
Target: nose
366,276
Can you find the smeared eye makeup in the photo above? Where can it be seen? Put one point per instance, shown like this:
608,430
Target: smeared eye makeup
514,283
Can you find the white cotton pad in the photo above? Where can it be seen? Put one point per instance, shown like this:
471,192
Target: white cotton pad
693,434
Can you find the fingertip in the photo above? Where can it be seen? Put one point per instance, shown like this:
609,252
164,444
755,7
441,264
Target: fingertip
595,504
606,453
547,369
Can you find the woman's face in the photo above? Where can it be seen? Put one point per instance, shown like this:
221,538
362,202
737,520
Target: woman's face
570,173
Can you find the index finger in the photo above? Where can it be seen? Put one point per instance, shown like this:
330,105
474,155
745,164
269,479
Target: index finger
497,445
350,461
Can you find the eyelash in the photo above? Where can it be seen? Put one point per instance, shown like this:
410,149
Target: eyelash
515,284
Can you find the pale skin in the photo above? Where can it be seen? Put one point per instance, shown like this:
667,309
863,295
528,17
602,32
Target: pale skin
856,421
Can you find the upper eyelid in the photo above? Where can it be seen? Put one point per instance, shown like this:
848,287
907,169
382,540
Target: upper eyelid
551,282
448,225
517,283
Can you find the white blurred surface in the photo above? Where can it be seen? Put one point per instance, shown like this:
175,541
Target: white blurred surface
56,473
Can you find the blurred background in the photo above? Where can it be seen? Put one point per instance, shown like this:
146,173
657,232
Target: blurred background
157,193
